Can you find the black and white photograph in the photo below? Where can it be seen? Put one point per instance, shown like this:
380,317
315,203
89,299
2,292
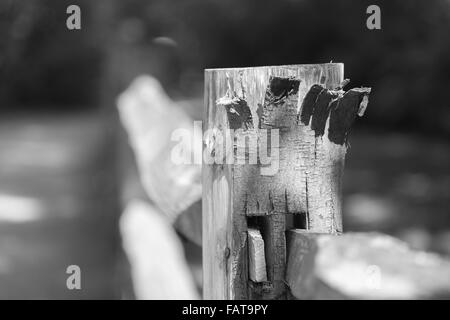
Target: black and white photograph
224,150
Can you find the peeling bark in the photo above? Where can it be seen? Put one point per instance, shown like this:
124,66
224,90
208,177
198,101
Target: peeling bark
340,108
344,112
238,112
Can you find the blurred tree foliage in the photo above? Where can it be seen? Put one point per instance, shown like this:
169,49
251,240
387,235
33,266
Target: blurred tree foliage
407,62
42,63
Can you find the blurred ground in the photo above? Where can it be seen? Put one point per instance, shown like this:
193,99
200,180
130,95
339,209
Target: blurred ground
57,206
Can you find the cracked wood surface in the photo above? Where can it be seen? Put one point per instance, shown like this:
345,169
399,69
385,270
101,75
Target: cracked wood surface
294,102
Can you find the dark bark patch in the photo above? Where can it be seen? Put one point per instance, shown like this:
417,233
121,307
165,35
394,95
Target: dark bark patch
309,102
321,112
280,88
279,108
343,114
238,113
320,104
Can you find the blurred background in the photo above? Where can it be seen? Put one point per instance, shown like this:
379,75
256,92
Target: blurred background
60,156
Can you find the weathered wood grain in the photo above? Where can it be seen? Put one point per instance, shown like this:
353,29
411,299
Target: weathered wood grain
299,172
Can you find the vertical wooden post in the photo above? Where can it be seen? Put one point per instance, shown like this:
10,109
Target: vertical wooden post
275,142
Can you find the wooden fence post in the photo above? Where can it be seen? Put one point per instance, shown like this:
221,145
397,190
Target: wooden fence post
274,149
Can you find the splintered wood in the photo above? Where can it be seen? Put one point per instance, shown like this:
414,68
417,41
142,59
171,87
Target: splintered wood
275,141
256,256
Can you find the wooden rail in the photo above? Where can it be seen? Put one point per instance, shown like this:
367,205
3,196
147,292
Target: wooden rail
362,266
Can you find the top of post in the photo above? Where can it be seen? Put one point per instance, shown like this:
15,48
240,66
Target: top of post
288,66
